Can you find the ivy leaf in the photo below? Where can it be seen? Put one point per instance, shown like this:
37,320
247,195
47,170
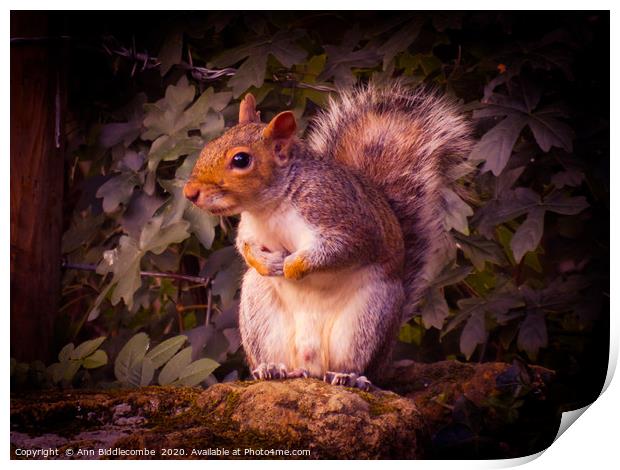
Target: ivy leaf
87,348
175,366
435,309
118,190
550,132
147,372
496,146
97,359
562,203
473,334
480,250
399,41
528,235
456,211
532,334
252,71
65,353
451,275
570,177
156,238
126,267
165,116
164,351
140,209
227,281
197,371
131,355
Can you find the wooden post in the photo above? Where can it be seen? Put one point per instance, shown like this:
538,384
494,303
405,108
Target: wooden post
36,188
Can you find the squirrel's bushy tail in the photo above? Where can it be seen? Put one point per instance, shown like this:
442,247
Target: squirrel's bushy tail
412,143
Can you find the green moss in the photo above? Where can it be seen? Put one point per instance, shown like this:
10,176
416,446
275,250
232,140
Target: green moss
377,405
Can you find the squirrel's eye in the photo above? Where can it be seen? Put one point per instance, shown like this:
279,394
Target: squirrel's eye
241,160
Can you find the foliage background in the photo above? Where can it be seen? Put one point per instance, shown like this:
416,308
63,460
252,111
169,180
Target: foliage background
526,272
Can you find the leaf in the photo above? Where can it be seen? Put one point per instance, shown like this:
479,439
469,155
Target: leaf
451,275
118,190
228,280
411,334
435,309
562,203
528,235
550,132
71,369
175,366
65,353
156,238
98,359
197,371
473,334
570,177
163,117
532,334
456,211
480,250
129,356
399,41
252,71
87,348
147,372
140,209
164,351
496,146
124,261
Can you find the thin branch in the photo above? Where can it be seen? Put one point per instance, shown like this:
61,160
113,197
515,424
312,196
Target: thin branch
180,277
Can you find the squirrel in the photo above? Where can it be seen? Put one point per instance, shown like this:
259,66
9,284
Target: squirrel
338,230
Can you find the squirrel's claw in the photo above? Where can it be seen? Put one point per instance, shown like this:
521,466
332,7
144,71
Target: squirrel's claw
270,371
348,380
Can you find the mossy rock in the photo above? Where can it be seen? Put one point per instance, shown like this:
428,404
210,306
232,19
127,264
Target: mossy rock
267,419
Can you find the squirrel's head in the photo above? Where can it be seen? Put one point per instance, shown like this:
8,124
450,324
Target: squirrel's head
234,171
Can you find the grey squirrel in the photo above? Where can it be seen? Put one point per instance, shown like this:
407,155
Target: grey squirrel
338,230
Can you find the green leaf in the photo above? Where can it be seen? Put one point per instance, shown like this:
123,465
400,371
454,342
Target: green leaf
156,238
132,354
528,235
435,309
118,190
147,372
87,348
98,359
550,132
65,353
411,334
164,351
71,369
172,370
570,177
480,250
562,203
451,275
197,371
532,334
473,334
456,212
496,146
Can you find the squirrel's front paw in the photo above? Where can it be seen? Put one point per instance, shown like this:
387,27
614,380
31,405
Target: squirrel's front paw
295,266
266,263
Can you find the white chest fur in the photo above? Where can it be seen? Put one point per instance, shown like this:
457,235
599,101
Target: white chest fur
309,308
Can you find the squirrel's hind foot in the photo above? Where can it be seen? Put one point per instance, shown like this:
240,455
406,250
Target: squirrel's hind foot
272,371
348,380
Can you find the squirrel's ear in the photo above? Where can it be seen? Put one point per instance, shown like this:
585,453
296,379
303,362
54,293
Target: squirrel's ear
247,110
283,126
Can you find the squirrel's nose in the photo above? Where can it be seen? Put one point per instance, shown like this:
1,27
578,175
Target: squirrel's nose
192,191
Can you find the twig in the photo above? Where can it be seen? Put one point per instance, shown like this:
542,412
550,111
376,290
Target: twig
181,277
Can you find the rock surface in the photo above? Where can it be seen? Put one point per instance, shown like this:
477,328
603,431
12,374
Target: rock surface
445,409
